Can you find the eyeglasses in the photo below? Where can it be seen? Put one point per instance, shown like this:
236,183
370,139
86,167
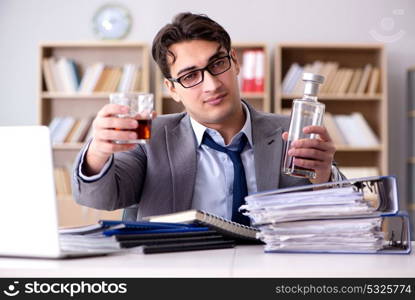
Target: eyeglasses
216,67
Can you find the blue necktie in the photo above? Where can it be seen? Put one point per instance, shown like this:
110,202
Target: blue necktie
240,189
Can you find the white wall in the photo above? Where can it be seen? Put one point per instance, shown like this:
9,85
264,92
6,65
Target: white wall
24,23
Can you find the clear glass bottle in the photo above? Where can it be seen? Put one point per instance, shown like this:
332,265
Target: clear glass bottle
306,111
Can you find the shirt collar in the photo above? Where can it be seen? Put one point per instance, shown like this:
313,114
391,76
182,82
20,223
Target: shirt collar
200,129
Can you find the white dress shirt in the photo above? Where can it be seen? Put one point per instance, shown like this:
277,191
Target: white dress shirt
214,177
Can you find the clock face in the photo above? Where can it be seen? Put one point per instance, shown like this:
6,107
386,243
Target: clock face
112,22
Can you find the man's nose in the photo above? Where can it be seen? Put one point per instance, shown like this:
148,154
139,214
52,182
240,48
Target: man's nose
210,82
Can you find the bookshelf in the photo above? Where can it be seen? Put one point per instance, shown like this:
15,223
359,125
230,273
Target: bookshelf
55,103
340,95
411,146
259,99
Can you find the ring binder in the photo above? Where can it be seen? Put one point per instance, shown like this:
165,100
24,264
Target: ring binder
351,216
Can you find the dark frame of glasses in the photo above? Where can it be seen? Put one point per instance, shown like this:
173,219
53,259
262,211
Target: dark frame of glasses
202,72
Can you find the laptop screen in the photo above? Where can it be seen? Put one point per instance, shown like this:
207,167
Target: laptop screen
28,214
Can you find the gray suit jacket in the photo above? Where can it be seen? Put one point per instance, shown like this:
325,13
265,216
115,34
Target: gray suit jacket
158,178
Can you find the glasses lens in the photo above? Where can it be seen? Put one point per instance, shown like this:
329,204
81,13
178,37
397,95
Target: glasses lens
191,79
219,66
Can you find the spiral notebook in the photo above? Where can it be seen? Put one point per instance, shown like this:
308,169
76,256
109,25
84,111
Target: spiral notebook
221,225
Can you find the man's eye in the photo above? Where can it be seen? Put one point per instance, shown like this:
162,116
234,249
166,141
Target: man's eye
218,63
189,76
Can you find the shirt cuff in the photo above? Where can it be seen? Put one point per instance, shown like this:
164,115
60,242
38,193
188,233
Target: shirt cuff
97,176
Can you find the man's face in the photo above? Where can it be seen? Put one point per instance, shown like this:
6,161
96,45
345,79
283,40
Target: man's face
216,100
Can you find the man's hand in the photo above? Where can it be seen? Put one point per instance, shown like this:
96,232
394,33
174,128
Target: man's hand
106,129
316,154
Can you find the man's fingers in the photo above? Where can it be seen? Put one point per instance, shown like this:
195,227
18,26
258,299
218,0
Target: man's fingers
109,134
313,143
113,122
109,147
309,163
112,109
308,153
320,130
285,136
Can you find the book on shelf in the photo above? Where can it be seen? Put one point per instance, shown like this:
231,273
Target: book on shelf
115,79
357,76
362,87
248,71
53,125
63,75
69,129
338,80
374,81
356,131
91,77
130,79
48,76
103,78
331,73
80,134
333,130
259,75
345,82
62,129
60,74
347,130
358,215
74,73
69,136
221,225
253,70
285,85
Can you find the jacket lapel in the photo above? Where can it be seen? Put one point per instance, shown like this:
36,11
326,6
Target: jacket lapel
181,149
268,147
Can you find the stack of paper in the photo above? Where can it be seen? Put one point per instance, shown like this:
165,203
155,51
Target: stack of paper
341,216
308,205
346,234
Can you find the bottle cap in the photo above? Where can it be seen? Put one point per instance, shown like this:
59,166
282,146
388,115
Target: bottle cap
312,82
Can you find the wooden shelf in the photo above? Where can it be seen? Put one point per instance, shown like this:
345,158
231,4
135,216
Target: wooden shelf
253,95
344,97
358,149
373,106
80,106
47,95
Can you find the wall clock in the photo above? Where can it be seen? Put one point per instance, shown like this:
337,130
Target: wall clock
112,22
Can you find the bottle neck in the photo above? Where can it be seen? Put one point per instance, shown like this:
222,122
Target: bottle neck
310,98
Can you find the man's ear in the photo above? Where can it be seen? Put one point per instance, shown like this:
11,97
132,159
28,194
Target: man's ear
234,58
172,90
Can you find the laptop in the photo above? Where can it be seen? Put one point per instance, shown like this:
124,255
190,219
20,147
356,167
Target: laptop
29,212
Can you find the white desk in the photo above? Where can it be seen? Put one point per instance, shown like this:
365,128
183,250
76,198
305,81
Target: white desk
242,261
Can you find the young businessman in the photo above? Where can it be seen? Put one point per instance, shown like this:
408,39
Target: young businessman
209,157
